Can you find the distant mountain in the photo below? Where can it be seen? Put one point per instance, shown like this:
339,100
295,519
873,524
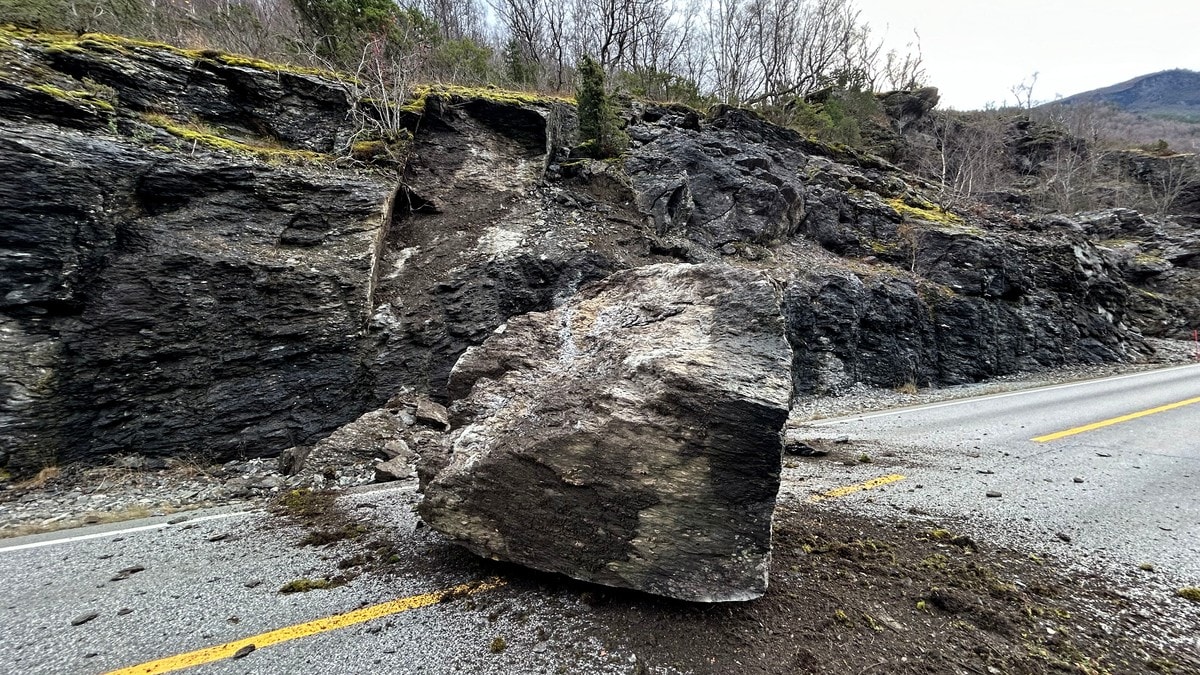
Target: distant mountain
1170,93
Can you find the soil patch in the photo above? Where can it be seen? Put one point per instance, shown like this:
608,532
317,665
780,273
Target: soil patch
853,595
848,594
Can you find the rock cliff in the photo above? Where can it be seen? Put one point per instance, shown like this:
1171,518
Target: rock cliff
192,263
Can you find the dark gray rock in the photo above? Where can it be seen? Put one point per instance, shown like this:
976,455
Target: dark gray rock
629,438
719,186
150,306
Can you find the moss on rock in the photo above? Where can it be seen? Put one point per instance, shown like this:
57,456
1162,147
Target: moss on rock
209,138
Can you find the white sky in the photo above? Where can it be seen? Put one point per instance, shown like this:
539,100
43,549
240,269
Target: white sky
976,50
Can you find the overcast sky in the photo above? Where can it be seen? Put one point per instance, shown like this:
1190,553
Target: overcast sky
976,50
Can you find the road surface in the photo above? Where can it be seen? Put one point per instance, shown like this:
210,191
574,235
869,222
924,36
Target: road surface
1112,464
208,586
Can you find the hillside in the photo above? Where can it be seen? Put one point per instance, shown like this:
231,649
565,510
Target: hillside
1170,93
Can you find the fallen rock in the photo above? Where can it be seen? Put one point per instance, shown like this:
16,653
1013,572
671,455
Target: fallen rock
396,448
127,572
641,449
84,618
433,414
396,468
794,446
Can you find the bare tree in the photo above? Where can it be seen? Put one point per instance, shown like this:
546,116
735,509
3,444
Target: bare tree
525,22
968,155
730,28
905,71
1023,91
1168,180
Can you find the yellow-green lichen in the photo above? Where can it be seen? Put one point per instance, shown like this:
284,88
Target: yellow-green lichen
275,67
200,135
75,96
489,93
922,210
104,42
1149,259
1190,593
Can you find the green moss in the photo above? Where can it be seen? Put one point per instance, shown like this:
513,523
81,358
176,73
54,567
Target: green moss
305,585
391,147
368,150
305,502
493,94
880,247
497,645
1191,593
119,44
75,97
927,211
198,134
259,64
325,537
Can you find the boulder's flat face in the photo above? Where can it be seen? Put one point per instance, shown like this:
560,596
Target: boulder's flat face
630,437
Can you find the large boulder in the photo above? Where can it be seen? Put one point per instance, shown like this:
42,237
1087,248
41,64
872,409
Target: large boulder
630,437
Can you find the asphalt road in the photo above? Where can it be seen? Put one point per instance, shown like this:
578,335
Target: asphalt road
215,578
1129,490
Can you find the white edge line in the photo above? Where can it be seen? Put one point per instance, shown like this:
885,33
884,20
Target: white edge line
111,533
988,397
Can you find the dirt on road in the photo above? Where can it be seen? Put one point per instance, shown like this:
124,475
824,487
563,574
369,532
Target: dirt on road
848,594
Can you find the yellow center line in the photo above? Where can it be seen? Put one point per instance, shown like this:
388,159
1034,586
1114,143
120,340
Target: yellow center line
1116,420
858,487
227,650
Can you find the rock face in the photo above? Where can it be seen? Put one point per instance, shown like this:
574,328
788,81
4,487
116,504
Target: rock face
167,299
630,437
191,263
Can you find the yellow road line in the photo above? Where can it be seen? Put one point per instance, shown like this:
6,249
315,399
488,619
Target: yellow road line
858,487
227,650
1116,420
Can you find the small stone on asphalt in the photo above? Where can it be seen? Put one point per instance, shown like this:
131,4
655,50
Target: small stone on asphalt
1077,479
243,652
127,572
1063,536
84,618
994,495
